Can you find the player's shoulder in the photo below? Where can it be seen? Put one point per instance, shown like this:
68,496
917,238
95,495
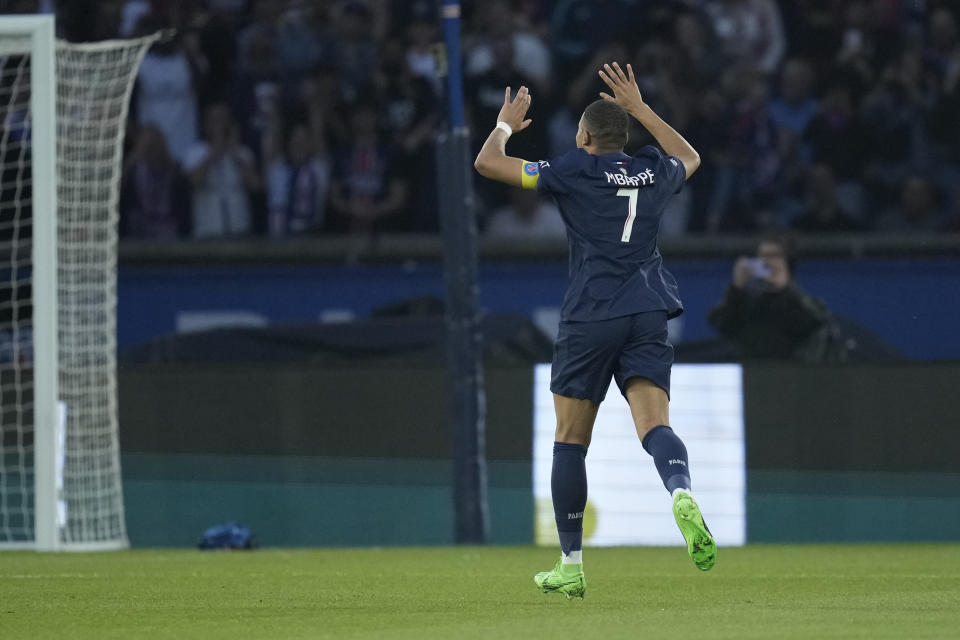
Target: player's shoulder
571,160
655,157
654,161
650,153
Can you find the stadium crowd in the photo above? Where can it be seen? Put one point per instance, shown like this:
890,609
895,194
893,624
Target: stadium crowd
285,117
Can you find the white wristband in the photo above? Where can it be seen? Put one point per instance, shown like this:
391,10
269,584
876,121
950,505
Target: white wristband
505,127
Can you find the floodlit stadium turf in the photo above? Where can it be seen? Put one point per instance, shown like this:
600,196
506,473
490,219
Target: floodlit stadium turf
770,592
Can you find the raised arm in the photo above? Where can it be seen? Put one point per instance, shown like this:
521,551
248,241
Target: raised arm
627,95
492,161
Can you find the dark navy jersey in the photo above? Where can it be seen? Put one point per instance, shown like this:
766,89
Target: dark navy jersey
612,205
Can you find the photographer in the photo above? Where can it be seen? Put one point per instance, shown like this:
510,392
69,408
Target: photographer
766,315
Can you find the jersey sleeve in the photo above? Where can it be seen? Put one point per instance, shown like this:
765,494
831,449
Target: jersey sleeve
530,174
670,170
549,181
676,173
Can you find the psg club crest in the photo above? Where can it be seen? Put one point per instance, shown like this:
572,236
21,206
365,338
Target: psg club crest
531,168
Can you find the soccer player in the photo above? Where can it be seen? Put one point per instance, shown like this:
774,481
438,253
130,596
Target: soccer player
615,312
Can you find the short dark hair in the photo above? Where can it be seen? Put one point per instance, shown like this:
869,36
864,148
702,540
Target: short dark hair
607,123
788,246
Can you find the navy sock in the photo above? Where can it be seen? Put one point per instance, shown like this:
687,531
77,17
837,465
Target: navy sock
568,483
670,456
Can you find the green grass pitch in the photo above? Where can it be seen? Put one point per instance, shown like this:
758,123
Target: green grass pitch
770,592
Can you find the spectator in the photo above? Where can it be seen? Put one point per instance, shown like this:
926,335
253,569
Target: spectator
837,139
791,112
755,166
527,53
896,113
166,90
750,31
133,11
565,121
861,41
420,57
485,92
355,51
155,196
212,34
944,50
410,120
814,30
407,100
695,41
822,211
298,185
264,26
890,73
765,314
256,98
485,97
916,211
662,80
562,127
368,192
223,174
795,107
581,27
709,128
303,40
320,105
528,217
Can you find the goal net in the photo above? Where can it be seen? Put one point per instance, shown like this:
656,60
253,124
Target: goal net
63,111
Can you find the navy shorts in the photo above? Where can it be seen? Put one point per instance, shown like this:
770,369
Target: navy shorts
587,354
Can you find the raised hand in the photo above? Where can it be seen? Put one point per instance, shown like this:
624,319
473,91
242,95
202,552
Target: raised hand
626,93
514,112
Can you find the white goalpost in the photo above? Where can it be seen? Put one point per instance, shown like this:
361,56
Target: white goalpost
63,112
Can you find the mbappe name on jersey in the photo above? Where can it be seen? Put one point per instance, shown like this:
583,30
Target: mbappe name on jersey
642,179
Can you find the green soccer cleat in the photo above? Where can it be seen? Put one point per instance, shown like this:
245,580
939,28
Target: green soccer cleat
565,578
700,543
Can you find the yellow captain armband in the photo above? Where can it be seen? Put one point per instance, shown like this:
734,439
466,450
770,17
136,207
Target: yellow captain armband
530,175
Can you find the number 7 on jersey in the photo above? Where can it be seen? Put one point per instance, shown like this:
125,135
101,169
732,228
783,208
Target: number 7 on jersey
631,195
